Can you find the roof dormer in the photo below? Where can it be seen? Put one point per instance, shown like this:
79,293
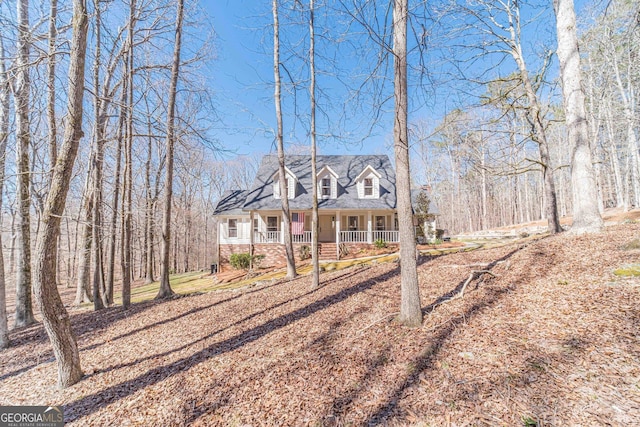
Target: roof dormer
368,183
290,185
327,183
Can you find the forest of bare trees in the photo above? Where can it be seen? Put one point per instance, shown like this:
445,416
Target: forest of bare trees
482,161
110,166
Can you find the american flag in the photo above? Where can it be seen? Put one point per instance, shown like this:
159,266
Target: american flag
297,223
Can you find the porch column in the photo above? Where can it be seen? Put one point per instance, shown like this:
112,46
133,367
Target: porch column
251,232
281,236
337,234
369,228
251,238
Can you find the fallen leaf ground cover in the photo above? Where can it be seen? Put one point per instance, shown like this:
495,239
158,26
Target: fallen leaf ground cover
550,336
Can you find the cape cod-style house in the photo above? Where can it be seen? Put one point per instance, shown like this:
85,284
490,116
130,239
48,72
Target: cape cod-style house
356,206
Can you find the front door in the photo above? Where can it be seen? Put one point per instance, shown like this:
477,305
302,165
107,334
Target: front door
327,230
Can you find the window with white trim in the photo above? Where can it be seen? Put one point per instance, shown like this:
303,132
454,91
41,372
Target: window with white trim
272,223
353,223
326,188
368,187
380,223
232,227
289,187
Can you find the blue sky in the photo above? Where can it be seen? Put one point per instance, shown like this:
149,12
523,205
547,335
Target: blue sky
243,85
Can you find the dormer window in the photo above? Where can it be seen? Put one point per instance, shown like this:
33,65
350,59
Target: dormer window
327,183
368,183
289,185
326,188
368,187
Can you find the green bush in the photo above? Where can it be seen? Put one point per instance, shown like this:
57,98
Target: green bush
380,243
243,261
305,252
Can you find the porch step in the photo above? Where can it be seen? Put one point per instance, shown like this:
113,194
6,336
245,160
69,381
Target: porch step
327,251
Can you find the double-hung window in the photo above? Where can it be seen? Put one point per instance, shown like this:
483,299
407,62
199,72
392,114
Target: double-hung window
326,188
353,223
233,227
368,187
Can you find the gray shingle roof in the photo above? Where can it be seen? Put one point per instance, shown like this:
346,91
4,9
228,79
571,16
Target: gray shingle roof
231,203
260,196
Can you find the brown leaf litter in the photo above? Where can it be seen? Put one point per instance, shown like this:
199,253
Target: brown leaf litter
550,336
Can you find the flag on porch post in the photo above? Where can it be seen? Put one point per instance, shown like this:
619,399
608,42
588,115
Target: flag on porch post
297,223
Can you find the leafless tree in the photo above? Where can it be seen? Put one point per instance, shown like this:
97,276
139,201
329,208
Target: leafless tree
54,315
4,134
315,278
165,287
282,175
24,309
586,215
410,309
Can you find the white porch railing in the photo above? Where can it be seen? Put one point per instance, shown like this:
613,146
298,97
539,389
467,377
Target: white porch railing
388,236
353,236
305,237
266,237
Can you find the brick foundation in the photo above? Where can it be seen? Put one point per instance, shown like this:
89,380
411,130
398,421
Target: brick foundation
227,250
275,254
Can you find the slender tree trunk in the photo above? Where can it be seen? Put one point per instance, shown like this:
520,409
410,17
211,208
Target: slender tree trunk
148,216
282,176
586,215
83,284
315,277
51,87
4,134
165,287
111,256
24,308
125,253
410,309
540,135
98,291
55,316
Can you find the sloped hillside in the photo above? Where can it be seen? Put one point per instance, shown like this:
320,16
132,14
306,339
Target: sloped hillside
550,337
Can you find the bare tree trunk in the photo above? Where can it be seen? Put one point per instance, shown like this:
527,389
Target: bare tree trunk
83,288
410,309
125,252
51,87
586,215
540,136
315,276
148,215
165,287
98,291
55,316
282,179
4,134
111,256
24,308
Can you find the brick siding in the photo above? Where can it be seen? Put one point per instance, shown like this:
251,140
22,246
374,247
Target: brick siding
274,253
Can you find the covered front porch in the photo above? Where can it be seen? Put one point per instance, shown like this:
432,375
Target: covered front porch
364,227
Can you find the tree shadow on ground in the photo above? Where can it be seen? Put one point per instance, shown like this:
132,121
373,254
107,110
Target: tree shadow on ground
82,325
208,336
93,321
92,403
424,361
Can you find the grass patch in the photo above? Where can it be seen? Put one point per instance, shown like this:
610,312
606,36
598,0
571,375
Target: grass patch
632,270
